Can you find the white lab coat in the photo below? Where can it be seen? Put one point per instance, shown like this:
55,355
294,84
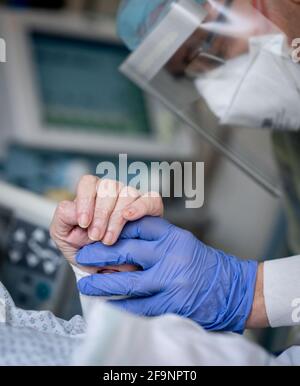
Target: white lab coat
171,340
282,291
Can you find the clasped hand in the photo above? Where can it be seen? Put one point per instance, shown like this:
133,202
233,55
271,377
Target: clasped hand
179,275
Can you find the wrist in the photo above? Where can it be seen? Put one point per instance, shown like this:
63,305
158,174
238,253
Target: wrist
237,287
243,290
258,315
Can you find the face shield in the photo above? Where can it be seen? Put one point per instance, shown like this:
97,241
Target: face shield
222,59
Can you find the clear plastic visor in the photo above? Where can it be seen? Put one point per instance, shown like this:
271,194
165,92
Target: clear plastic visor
221,65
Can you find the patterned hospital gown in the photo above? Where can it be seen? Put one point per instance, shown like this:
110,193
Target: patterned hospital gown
36,338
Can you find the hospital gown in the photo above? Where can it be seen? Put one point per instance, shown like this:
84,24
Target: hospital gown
36,338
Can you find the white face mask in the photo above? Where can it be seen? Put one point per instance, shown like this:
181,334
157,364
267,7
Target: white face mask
260,89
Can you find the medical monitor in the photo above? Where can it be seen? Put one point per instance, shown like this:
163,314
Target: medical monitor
66,92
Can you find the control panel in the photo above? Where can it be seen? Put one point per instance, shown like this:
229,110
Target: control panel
30,250
31,267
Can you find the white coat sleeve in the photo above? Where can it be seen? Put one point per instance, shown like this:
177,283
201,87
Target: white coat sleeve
282,291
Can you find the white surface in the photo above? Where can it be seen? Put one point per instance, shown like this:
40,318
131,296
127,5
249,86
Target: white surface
88,303
26,205
166,340
282,291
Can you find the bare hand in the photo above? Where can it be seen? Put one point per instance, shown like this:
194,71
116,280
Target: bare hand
99,213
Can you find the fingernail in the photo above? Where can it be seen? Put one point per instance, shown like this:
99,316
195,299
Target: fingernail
108,239
84,220
94,234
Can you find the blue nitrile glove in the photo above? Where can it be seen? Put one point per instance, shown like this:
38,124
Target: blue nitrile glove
136,18
180,275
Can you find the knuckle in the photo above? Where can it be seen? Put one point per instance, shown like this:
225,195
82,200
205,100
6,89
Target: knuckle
153,195
88,179
120,186
142,207
102,213
108,188
109,184
129,191
116,220
154,203
61,207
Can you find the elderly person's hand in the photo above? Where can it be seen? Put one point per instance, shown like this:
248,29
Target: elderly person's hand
99,213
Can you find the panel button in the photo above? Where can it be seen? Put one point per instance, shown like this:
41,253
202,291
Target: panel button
43,291
49,267
32,260
20,236
15,256
39,235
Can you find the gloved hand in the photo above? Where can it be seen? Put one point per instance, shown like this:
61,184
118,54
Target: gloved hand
180,275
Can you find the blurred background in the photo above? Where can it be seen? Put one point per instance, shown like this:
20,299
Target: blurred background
64,107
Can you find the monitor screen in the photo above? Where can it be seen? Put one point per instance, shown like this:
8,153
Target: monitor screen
80,88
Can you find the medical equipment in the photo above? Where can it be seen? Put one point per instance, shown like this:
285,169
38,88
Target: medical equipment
180,41
31,267
64,90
